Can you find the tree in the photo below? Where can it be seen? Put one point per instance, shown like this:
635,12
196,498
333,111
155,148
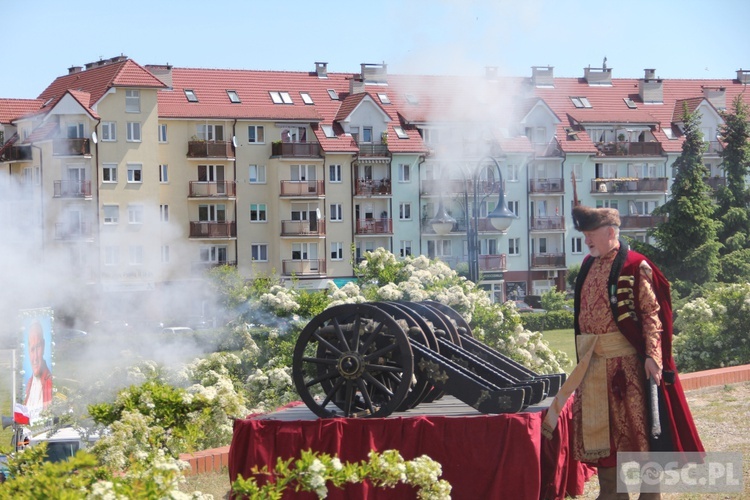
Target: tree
688,237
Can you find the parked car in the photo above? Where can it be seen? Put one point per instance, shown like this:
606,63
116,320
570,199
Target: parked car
523,307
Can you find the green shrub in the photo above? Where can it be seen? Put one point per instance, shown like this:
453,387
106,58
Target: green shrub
551,320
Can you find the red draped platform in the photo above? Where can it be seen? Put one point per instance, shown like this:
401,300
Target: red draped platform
483,456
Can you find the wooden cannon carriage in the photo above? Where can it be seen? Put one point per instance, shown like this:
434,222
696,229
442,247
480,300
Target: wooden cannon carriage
375,358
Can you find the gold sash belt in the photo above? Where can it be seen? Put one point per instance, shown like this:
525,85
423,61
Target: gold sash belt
591,375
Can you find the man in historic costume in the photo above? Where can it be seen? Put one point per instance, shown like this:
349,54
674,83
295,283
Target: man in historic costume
623,328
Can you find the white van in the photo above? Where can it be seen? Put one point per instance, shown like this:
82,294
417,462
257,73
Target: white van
62,444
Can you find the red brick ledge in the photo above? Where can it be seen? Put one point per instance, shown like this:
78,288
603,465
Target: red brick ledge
214,460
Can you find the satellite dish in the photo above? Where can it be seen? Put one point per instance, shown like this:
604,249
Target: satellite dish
234,141
94,138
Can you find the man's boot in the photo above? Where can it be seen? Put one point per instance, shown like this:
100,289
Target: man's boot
608,484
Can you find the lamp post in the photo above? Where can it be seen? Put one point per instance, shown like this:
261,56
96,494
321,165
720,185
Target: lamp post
501,217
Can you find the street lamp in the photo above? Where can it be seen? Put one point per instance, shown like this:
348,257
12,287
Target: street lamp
501,217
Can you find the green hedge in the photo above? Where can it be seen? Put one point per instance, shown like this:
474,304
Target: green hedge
551,320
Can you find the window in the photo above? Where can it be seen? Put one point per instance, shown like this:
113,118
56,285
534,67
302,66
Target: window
542,245
259,252
629,102
405,248
162,132
294,134
257,174
404,172
404,211
576,245
328,131
210,173
165,254
578,171
306,98
438,248
135,214
75,130
135,171
134,132
111,214
163,173
337,213
513,207
411,99
234,97
256,134
132,101
400,133
210,132
333,94
280,97
513,173
109,172
384,98
190,95
212,213
514,246
607,204
164,213
213,254
334,173
136,255
580,102
366,134
337,250
109,131
258,212
111,255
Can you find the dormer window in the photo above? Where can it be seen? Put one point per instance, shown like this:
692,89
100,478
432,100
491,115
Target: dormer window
328,131
400,133
233,96
190,96
281,97
306,98
581,102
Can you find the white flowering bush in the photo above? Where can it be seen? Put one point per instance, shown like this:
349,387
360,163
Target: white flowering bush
713,329
282,301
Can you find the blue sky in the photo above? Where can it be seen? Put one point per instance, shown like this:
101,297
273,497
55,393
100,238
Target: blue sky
678,38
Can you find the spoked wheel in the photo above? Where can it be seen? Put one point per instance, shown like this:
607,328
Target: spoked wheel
353,360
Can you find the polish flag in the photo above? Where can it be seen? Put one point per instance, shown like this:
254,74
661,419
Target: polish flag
21,414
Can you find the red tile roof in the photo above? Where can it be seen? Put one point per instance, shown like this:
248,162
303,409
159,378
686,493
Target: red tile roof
12,109
45,131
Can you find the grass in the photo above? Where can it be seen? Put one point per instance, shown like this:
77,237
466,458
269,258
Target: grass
562,340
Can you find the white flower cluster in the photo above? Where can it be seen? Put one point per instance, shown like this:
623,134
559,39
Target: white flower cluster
350,293
280,300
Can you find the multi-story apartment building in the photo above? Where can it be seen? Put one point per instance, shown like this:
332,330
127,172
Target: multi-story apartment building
140,178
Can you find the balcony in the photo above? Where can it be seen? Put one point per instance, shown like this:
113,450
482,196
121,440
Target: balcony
375,226
487,263
303,228
714,148
459,186
296,149
549,150
71,147
373,150
629,185
640,221
70,232
369,187
548,260
484,225
555,223
218,189
296,267
15,153
543,186
210,149
303,188
206,229
623,148
201,267
72,189
715,182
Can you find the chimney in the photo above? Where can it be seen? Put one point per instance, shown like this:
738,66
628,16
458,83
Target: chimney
650,89
75,69
598,76
161,71
321,69
743,76
356,85
717,96
374,74
542,76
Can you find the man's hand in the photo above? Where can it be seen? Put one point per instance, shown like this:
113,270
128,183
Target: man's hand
653,370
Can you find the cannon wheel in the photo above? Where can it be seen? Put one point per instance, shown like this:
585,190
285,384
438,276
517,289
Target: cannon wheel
355,356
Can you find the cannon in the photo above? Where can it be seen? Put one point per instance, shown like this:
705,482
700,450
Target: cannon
376,358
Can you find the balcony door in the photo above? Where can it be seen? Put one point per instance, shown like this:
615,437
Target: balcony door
213,174
76,178
213,255
306,252
306,212
75,131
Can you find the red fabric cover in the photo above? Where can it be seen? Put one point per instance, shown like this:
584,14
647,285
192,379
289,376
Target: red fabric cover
487,456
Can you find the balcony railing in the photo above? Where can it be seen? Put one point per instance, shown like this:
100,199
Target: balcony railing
304,267
459,186
629,185
547,223
66,231
548,260
296,149
546,185
623,148
303,188
15,153
640,221
369,187
303,228
210,149
376,150
715,182
714,148
484,225
218,189
72,189
71,147
551,149
205,229
375,226
487,263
